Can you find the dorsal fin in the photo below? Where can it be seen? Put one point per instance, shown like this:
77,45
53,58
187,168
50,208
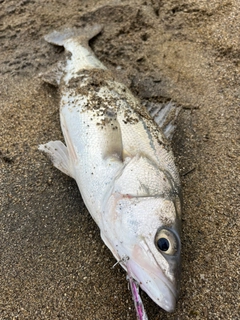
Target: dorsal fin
165,115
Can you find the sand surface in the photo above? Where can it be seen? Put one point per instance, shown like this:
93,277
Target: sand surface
53,264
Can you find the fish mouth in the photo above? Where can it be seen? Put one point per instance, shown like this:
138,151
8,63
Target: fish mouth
159,288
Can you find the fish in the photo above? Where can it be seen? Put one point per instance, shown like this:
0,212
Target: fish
119,152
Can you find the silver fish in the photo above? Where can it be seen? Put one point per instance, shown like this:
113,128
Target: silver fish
123,165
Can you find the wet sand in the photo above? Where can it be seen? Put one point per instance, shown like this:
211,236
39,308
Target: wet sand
53,264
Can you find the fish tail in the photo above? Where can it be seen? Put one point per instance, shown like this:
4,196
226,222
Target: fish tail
83,35
75,41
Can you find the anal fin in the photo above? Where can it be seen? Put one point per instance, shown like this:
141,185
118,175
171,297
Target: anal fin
58,154
53,75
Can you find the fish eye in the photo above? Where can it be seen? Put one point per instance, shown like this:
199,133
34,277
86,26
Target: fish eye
166,242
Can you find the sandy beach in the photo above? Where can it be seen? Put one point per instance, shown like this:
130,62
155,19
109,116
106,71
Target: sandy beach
53,263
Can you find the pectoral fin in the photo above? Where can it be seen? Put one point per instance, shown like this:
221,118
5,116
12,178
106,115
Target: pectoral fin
59,156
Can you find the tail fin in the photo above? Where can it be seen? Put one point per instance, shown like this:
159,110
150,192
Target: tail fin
84,34
75,41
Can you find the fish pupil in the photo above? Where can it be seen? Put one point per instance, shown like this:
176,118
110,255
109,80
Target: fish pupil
163,244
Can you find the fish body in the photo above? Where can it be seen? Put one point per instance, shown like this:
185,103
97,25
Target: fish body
123,166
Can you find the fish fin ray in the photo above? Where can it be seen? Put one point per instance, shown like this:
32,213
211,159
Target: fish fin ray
58,153
53,76
165,115
84,34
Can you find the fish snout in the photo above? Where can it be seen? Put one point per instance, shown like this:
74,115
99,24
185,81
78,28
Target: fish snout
163,291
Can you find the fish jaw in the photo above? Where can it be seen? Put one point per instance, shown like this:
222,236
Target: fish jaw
132,241
147,273
153,281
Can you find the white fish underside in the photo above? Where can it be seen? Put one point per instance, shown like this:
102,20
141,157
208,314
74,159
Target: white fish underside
122,163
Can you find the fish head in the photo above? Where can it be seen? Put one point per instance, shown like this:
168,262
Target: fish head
146,241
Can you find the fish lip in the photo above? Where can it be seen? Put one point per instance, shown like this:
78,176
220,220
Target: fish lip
172,288
172,300
169,298
166,300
